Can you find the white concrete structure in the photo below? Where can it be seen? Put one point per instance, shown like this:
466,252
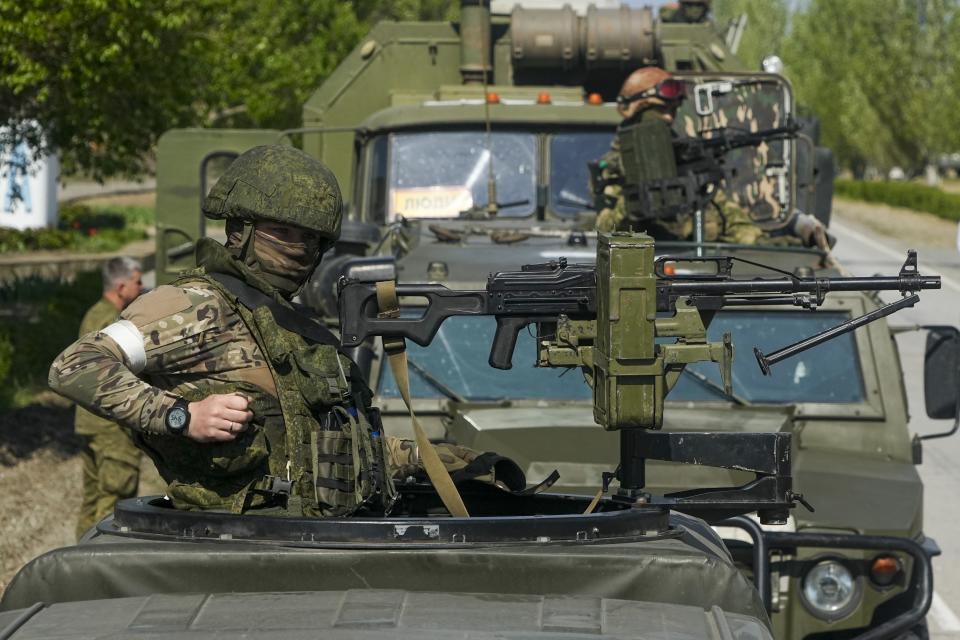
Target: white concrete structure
28,188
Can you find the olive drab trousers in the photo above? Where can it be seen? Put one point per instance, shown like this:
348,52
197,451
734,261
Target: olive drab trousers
111,472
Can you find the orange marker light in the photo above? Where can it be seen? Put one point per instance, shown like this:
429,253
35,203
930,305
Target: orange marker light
594,98
669,268
493,97
543,98
884,570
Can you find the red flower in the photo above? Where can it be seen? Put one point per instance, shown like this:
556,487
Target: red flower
92,231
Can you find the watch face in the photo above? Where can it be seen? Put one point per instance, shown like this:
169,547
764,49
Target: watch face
177,418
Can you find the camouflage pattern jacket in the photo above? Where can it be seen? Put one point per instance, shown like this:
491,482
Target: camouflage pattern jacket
196,341
97,317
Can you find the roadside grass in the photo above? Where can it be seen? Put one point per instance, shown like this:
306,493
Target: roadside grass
917,197
39,319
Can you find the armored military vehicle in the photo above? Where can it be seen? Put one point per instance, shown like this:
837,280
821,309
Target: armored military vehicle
528,562
426,121
419,148
844,404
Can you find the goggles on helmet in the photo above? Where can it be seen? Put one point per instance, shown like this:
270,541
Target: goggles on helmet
668,90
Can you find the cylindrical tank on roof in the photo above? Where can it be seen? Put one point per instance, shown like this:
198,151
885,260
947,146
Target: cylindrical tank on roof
621,39
474,40
545,38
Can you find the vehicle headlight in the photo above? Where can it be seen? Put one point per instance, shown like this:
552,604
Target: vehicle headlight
830,590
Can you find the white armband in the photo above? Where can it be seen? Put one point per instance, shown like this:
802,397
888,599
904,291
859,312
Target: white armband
130,340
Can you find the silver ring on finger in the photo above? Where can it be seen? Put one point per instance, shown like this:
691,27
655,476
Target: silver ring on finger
230,429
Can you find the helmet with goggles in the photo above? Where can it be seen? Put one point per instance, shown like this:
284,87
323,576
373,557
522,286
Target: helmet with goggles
650,87
281,184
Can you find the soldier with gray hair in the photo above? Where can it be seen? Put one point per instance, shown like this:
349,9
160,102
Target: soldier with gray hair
111,462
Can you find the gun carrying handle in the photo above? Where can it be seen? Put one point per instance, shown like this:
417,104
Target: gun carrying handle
504,341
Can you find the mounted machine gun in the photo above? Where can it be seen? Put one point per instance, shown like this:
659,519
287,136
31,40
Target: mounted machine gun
610,321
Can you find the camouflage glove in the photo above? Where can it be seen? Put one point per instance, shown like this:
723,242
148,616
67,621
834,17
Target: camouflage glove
462,463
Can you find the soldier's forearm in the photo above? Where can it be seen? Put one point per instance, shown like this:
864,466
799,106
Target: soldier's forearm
92,372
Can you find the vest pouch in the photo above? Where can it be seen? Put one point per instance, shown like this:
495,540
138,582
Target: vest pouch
378,471
321,379
315,368
333,462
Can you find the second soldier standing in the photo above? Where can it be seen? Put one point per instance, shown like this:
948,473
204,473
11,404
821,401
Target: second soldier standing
111,461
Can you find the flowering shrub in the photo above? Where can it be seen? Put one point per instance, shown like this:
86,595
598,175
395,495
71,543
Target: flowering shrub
82,228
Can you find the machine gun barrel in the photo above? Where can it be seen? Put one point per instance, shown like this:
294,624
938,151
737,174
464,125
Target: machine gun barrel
542,293
608,319
734,292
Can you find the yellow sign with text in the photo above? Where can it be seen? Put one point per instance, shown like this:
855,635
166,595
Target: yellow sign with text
431,202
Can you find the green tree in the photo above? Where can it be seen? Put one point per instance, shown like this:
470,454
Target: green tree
98,79
766,26
371,11
266,58
881,75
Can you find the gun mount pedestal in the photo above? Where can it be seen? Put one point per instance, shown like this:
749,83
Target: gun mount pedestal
765,454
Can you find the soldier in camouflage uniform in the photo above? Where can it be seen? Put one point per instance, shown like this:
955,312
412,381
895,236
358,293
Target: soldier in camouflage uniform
686,11
243,401
111,462
724,220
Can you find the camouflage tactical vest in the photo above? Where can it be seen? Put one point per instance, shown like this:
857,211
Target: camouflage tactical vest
317,450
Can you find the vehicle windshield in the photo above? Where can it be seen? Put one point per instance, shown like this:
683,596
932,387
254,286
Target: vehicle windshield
441,174
457,361
455,364
569,177
829,373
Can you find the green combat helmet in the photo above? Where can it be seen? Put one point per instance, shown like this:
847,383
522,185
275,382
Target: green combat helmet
282,184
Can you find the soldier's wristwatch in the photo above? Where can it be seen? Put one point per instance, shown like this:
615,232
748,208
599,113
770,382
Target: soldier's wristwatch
177,419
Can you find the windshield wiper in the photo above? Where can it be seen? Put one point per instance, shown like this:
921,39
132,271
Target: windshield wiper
483,212
571,199
432,380
713,386
574,203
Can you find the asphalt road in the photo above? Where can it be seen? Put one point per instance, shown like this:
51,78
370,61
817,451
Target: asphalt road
864,253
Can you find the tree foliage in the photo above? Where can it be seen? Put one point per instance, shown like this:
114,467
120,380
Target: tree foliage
766,26
266,58
100,80
371,11
97,79
882,76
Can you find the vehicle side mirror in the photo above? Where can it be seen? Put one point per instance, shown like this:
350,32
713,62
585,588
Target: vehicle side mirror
941,372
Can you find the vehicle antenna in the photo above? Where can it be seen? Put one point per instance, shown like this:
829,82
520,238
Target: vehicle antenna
492,207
